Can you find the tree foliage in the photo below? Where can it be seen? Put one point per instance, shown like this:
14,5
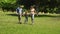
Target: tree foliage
40,5
8,4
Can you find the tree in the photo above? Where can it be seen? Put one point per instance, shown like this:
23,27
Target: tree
8,4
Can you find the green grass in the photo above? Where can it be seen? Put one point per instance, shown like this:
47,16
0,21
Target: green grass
43,24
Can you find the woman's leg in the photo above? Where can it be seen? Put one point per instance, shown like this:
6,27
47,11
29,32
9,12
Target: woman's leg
32,18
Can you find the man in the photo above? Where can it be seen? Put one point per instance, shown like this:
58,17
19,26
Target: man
32,12
19,11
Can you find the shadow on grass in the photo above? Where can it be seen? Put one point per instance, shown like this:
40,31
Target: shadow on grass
12,14
37,16
47,16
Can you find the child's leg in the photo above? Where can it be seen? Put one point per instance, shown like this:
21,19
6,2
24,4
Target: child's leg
26,19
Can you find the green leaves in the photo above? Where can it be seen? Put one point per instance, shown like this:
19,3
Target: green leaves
8,1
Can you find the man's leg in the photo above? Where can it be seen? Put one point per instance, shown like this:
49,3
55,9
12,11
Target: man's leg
19,18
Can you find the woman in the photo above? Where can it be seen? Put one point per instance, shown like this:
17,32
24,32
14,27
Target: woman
32,13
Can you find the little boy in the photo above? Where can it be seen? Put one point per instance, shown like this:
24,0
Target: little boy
26,17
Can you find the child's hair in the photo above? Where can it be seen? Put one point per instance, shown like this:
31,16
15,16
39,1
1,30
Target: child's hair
26,12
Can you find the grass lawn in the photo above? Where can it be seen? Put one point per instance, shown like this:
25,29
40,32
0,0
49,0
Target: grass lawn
43,24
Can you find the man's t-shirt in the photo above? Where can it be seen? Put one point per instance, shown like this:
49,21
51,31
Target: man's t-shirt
19,10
